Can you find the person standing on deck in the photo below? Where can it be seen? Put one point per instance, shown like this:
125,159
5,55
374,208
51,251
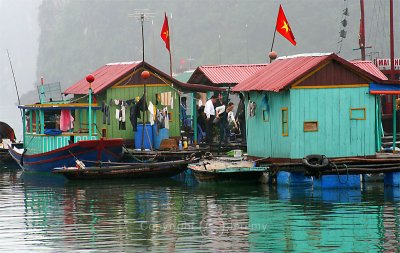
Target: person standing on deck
210,115
225,121
241,117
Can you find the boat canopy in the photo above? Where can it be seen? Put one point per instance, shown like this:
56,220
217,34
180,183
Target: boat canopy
6,131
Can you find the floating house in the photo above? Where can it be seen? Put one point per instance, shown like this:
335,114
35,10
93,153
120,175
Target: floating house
224,76
312,104
119,86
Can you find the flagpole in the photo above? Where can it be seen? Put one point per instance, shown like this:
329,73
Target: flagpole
170,63
272,46
170,41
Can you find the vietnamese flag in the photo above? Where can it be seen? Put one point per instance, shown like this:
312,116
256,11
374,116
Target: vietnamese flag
165,33
283,27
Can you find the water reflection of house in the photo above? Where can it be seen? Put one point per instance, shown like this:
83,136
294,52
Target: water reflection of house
308,104
116,82
283,226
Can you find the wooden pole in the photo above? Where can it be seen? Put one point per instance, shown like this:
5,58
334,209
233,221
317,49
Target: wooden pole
222,124
194,113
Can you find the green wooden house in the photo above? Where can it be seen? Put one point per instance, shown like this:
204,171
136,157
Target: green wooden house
312,104
123,82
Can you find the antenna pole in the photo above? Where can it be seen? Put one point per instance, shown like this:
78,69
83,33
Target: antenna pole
142,15
144,85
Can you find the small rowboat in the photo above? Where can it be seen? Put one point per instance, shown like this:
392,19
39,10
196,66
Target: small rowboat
226,168
124,170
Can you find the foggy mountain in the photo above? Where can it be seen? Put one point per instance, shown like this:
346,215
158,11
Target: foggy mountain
77,37
20,35
64,40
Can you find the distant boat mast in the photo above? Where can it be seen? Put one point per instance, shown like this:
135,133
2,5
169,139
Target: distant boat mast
361,41
392,72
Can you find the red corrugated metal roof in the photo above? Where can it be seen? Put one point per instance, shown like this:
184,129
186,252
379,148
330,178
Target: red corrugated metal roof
286,70
104,77
280,73
371,68
225,74
109,74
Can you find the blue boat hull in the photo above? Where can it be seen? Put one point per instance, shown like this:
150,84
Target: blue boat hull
90,152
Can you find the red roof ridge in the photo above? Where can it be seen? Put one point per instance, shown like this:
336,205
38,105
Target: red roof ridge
303,55
233,65
123,63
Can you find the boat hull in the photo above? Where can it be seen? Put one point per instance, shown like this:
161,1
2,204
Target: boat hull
226,169
249,176
89,151
133,170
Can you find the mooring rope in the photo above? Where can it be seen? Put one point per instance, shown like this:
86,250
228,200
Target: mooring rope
137,158
338,175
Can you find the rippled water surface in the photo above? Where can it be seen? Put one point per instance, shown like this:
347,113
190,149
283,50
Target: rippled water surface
46,213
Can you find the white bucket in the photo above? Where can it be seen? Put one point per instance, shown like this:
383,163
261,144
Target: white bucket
237,153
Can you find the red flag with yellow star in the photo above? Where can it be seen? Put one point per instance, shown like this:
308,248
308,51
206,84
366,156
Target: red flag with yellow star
283,27
165,33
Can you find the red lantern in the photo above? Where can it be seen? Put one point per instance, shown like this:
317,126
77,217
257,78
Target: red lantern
272,55
90,78
145,74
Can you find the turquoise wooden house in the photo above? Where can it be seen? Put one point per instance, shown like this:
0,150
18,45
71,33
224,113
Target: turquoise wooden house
116,82
312,104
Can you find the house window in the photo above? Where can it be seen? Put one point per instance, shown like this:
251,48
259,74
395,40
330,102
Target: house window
358,113
265,115
310,126
285,122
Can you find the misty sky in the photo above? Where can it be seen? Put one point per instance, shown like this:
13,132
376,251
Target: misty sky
20,32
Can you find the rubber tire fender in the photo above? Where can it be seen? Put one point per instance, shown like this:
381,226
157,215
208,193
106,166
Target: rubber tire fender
316,161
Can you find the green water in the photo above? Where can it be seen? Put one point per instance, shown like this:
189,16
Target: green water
45,213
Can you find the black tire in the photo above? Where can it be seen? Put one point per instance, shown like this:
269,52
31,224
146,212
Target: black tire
316,161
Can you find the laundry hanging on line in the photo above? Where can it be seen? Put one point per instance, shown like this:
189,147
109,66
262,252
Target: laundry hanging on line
66,120
135,110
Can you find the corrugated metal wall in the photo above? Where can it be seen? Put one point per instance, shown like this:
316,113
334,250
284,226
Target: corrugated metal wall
337,135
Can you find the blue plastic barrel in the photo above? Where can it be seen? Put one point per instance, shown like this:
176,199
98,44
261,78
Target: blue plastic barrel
158,136
148,137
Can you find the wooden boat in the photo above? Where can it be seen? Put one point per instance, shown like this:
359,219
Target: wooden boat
124,170
52,139
7,138
91,150
164,155
226,168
